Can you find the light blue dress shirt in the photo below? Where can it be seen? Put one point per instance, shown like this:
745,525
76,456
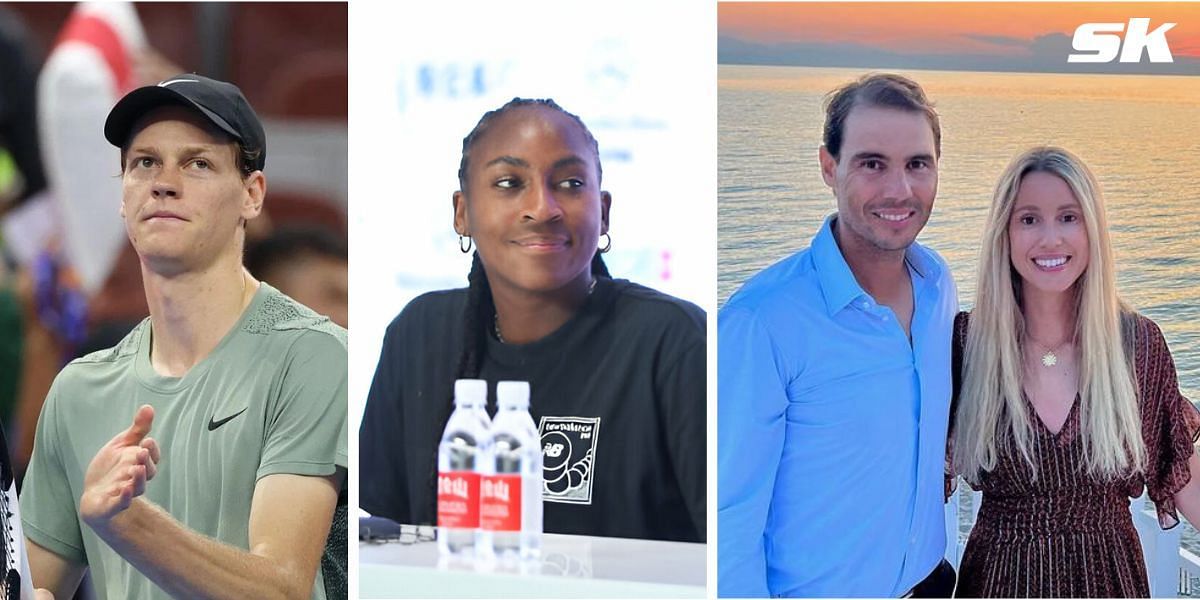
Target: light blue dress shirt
831,429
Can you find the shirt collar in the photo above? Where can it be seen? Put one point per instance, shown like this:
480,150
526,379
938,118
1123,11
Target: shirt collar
838,285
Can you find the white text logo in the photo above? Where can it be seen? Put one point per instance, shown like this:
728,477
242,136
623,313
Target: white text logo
1102,42
453,486
495,489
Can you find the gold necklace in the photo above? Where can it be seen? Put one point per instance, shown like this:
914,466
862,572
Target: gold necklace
1050,358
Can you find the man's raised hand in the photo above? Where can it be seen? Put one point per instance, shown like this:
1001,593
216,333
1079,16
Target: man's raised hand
119,471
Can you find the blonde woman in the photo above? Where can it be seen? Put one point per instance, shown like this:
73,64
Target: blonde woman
1067,402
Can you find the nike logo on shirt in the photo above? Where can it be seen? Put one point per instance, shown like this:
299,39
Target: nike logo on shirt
215,424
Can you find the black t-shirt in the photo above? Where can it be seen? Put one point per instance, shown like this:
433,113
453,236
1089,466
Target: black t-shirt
618,393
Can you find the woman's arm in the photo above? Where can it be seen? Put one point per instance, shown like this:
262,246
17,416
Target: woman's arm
1187,500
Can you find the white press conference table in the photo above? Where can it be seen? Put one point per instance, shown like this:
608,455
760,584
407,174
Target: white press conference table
571,566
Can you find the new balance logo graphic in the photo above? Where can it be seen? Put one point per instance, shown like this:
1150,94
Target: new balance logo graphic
568,458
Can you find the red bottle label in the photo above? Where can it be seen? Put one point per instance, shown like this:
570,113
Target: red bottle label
500,503
458,499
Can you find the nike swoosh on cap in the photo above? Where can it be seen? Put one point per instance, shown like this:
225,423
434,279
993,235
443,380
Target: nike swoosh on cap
170,81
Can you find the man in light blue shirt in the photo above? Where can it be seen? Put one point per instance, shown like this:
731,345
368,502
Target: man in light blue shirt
834,377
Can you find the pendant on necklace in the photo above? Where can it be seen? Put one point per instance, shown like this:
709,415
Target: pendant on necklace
1049,359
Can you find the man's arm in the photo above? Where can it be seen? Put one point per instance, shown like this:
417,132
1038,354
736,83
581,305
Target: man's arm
751,407
59,575
49,517
289,522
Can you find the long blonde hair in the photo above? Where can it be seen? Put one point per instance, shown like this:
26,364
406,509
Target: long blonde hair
991,407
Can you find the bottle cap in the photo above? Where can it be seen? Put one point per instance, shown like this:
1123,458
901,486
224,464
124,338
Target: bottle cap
512,395
470,392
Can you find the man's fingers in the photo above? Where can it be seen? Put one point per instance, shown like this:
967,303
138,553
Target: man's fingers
142,459
152,446
124,494
140,428
146,460
137,481
119,471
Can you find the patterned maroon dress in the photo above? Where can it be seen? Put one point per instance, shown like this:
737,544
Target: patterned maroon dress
1065,534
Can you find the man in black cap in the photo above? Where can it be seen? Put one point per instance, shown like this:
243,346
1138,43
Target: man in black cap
243,388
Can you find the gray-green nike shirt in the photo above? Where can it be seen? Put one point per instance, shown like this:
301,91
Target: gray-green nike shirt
270,398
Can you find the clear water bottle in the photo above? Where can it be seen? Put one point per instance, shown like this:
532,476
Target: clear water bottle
510,517
459,455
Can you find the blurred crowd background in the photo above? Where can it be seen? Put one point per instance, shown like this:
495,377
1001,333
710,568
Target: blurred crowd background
70,282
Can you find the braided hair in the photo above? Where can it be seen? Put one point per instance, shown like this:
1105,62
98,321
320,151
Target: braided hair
480,314
486,121
480,311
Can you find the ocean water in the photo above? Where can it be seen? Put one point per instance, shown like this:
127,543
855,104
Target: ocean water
1139,134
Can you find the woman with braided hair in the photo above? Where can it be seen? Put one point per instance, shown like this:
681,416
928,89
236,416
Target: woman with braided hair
616,370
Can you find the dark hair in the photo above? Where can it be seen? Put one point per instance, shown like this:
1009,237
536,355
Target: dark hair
480,314
486,120
877,89
291,243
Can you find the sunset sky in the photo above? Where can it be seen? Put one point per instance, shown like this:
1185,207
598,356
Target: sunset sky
1002,34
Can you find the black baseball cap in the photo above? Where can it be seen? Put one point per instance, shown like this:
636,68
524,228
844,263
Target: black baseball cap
219,102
